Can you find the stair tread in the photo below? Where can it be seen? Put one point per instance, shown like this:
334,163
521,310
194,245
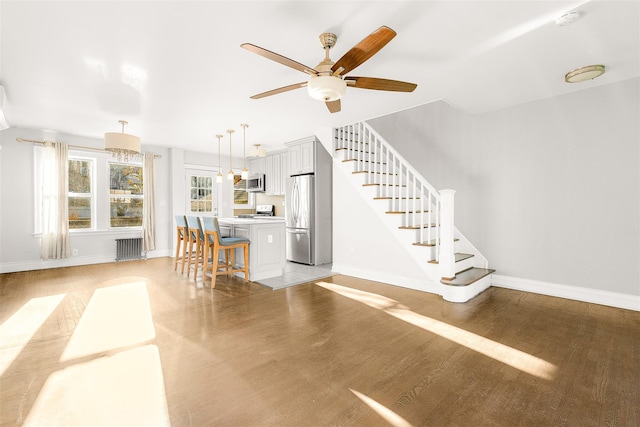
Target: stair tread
354,150
365,161
467,277
458,257
377,173
396,198
430,243
415,227
402,212
383,185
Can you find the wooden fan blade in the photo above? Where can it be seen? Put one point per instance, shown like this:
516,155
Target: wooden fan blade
364,50
279,58
333,106
279,90
380,84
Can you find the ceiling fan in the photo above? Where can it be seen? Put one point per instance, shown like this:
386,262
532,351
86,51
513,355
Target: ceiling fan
327,81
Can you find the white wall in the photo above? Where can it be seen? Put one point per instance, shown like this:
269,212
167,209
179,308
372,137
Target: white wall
20,249
547,191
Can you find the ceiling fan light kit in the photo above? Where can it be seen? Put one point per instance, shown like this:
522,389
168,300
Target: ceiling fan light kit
327,81
582,74
326,88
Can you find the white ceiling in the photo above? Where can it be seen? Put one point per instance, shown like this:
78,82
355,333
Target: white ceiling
176,72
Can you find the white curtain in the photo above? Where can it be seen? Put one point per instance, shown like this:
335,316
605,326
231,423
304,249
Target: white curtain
148,206
54,241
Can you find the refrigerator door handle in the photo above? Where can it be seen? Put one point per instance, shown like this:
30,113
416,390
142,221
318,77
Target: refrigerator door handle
296,198
297,232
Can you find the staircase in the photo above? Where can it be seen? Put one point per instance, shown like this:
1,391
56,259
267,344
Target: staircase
424,216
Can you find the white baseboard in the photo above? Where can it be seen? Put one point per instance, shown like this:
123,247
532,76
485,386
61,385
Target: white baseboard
392,279
596,296
12,267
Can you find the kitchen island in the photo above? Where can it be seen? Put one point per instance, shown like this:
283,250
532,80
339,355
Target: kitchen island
267,248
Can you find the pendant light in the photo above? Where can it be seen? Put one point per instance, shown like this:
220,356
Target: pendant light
219,176
230,174
245,172
122,146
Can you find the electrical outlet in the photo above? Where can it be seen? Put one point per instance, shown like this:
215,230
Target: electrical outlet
74,252
270,238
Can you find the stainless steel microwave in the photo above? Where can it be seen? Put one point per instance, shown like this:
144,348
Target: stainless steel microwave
255,183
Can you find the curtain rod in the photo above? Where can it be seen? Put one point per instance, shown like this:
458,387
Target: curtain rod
33,141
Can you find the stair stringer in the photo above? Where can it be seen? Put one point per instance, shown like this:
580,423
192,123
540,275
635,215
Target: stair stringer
380,252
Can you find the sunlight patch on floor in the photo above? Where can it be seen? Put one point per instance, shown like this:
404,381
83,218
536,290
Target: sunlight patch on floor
126,389
386,413
115,317
17,331
508,355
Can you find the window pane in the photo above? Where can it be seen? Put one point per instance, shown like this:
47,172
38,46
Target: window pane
126,212
79,176
79,212
240,195
201,194
125,179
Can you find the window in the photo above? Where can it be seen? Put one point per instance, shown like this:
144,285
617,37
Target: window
240,194
80,193
201,193
125,195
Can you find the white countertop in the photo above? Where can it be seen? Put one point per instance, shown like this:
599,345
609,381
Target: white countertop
261,220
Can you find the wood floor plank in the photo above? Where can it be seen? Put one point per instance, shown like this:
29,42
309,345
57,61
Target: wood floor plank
341,351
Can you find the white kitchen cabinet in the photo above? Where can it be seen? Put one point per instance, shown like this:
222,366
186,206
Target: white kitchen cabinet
257,165
301,157
273,178
277,171
267,247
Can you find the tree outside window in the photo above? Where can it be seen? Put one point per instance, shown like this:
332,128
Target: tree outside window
80,194
125,195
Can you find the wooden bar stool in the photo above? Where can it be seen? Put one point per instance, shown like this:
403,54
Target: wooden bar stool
214,243
181,241
195,243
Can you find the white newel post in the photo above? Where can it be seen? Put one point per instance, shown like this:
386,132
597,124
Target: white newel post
447,258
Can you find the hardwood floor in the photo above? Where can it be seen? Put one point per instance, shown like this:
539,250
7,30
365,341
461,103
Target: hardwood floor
135,343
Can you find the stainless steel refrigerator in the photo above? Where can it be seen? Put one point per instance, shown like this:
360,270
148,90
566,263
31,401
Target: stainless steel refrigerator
299,217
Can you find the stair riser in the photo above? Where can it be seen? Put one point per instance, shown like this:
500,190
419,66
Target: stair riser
464,293
465,264
414,218
404,204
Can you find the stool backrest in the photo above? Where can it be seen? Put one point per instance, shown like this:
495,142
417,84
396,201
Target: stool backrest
194,227
181,223
217,229
210,230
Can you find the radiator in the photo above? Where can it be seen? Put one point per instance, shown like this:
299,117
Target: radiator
127,249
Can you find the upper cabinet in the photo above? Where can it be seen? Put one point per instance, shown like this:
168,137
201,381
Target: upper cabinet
276,171
301,157
257,165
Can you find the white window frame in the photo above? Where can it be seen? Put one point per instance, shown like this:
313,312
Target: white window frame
94,211
117,196
201,173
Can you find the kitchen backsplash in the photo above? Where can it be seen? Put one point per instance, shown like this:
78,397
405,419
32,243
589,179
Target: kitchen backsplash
263,199
277,201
